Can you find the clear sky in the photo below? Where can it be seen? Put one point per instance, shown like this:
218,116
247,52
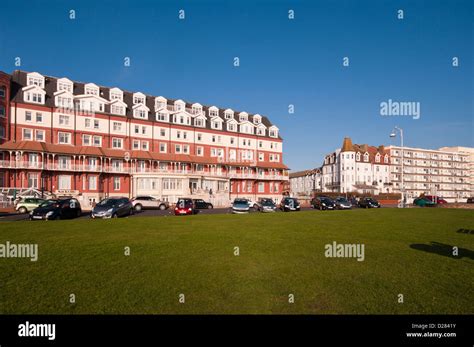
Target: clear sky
282,61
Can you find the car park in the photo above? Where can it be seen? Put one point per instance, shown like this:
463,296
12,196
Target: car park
290,204
323,203
423,202
57,209
266,205
28,204
368,202
185,206
342,203
147,202
112,208
240,206
200,204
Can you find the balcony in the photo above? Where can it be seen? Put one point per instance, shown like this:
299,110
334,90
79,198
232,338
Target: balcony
68,166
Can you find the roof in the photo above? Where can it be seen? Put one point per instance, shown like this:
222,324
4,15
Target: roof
19,81
346,145
303,173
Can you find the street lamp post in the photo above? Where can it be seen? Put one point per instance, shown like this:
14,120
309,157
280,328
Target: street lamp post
402,188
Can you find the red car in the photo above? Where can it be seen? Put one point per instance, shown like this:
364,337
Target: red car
185,207
436,199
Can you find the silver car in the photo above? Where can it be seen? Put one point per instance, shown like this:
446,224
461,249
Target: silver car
240,206
147,202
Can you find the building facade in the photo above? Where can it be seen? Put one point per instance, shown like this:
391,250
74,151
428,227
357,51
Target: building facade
356,168
305,183
447,172
431,172
470,152
88,141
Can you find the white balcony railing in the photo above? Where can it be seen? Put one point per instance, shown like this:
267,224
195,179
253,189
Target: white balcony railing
6,164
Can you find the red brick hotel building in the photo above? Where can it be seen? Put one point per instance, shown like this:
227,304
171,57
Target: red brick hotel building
80,139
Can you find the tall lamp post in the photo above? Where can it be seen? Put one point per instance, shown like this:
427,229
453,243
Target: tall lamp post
402,188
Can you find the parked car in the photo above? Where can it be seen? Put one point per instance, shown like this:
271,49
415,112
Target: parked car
200,204
28,204
185,206
266,205
470,200
253,204
342,203
368,203
436,199
112,208
240,206
323,203
290,204
57,209
423,202
147,202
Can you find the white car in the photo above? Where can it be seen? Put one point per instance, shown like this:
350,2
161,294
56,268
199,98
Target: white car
253,204
148,202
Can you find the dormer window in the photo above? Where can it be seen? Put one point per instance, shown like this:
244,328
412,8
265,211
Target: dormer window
273,131
64,100
366,157
160,103
213,111
140,111
34,94
385,159
91,89
35,79
196,109
64,84
162,117
118,107
243,116
257,119
179,105
90,104
139,98
377,158
358,156
231,127
246,128
116,94
181,119
216,125
199,122
228,114
261,131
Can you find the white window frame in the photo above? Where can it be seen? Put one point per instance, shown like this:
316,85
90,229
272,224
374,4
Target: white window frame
66,136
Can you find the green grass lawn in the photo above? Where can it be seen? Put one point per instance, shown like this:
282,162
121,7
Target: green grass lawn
406,252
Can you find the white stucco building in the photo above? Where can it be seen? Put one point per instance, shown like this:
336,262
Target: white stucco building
357,168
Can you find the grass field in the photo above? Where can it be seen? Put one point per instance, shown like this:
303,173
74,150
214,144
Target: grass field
406,252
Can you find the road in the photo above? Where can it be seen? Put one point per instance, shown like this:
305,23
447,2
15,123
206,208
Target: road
145,213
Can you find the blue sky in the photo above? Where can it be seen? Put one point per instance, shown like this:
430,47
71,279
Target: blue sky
282,61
